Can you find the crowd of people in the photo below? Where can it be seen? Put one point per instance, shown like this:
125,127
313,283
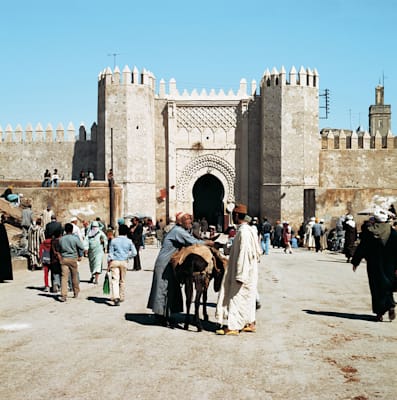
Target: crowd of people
57,249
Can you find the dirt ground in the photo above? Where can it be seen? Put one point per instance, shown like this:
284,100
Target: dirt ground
315,340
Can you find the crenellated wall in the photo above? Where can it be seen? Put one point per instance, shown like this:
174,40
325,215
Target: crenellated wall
264,148
26,154
127,134
290,145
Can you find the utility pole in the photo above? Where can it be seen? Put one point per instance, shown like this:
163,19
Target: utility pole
326,96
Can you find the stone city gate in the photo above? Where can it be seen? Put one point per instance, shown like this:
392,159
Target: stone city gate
205,187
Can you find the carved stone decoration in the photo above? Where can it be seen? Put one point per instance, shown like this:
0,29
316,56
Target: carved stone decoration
209,163
206,117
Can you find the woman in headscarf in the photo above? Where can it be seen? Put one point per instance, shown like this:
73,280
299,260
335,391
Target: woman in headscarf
94,244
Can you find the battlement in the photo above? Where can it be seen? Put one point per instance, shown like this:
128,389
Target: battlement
340,139
49,135
305,77
134,77
174,94
127,77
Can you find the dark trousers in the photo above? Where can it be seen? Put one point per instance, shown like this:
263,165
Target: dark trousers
317,240
137,259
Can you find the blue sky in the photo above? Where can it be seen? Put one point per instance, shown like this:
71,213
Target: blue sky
53,51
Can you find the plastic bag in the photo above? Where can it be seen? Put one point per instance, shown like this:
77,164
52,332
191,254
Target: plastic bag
106,284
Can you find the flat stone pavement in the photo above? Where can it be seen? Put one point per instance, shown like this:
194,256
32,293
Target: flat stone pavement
315,340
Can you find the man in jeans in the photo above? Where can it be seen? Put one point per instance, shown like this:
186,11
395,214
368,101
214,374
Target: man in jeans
120,250
265,230
70,246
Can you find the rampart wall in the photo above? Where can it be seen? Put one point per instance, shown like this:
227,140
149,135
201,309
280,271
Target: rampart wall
69,200
350,159
335,202
26,154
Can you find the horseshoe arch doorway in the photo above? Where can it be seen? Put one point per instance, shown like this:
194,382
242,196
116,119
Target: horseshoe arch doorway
208,195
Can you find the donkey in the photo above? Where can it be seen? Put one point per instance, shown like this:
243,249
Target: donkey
199,268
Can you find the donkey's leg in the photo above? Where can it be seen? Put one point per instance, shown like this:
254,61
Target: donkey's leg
205,292
188,295
199,292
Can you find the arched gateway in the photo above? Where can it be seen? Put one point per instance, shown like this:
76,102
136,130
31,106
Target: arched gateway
208,195
206,186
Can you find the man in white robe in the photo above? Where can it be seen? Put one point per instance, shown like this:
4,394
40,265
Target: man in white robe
237,297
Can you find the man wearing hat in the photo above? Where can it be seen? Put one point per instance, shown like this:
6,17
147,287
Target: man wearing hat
237,298
165,294
76,229
46,215
378,246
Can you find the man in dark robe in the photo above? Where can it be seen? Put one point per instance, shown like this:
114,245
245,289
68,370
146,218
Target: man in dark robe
350,229
5,254
378,247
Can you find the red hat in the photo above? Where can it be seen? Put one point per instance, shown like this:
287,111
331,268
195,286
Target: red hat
241,209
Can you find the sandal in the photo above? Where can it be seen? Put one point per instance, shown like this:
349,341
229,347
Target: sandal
379,317
227,332
249,328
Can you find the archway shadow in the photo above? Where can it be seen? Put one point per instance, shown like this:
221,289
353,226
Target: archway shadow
100,300
178,321
363,317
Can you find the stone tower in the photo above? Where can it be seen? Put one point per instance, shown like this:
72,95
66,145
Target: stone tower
126,135
290,144
379,115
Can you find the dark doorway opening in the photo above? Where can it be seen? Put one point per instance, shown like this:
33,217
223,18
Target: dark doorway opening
309,203
208,194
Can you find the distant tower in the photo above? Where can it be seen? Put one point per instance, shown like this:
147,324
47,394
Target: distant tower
126,135
290,144
379,114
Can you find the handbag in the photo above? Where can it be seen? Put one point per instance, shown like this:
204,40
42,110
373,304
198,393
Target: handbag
106,284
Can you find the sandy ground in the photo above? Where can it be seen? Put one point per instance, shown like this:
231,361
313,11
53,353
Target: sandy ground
315,340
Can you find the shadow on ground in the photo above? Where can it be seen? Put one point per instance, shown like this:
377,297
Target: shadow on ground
100,300
363,317
177,321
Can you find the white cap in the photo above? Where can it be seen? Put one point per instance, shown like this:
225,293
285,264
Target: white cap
73,219
380,215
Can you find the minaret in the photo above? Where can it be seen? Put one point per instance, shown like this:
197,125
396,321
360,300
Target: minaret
379,114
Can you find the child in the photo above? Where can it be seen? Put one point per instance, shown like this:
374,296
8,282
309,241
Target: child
45,257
